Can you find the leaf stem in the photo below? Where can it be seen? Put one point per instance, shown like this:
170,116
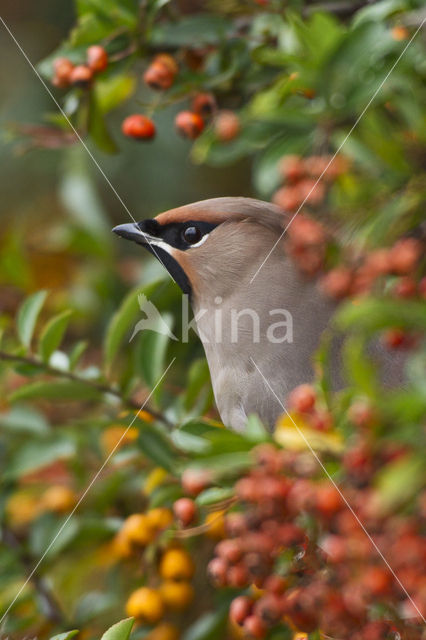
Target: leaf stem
99,386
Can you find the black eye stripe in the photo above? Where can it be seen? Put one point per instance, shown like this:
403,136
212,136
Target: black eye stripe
173,233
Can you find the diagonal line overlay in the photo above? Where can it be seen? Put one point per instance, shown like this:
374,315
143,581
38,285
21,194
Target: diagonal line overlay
318,459
82,497
345,139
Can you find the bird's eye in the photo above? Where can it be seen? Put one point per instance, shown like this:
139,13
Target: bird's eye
191,235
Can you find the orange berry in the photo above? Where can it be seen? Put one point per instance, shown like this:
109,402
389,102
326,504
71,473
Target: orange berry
138,529
177,595
159,518
337,282
292,168
405,287
189,124
97,58
226,126
394,338
81,76
158,77
63,68
404,255
400,33
176,564
168,61
59,499
204,104
184,510
377,580
328,500
163,631
311,191
216,525
147,604
288,198
139,127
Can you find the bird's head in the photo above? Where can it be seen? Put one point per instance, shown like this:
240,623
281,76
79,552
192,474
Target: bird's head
217,240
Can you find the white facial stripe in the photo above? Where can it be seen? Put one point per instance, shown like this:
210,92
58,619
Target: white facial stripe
200,242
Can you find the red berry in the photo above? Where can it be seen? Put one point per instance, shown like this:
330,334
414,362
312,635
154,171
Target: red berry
204,104
161,72
292,168
240,609
335,547
275,584
194,481
306,232
189,124
81,76
235,524
378,262
226,126
97,58
328,500
254,627
184,510
302,398
311,191
315,165
337,282
288,198
63,68
405,287
404,255
139,127
321,420
269,609
237,576
229,550
362,414
394,338
217,571
377,580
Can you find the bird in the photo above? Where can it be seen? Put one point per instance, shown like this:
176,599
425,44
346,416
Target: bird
260,320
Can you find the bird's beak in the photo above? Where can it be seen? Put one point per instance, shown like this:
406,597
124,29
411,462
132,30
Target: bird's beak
132,231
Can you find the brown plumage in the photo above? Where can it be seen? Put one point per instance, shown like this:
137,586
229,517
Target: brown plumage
228,240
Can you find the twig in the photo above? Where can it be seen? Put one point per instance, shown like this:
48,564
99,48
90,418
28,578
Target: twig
102,388
50,605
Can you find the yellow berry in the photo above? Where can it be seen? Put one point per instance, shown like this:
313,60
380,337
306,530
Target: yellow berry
145,603
216,525
159,518
121,546
176,564
138,530
22,508
116,436
154,480
164,631
59,499
177,595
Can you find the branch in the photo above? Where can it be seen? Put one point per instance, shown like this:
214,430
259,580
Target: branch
50,605
98,386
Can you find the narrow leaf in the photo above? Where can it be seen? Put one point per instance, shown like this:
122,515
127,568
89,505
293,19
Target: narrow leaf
27,316
119,631
52,334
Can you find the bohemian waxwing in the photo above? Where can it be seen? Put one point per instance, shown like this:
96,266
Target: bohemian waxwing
272,323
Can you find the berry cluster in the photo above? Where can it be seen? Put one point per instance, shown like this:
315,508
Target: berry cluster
305,561
305,179
67,74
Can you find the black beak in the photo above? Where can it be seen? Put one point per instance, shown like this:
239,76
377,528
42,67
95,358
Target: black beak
132,231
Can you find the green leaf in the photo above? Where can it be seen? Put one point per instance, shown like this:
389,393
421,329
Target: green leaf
34,455
122,321
63,390
213,495
198,377
199,29
209,626
24,420
374,314
359,369
97,128
157,447
400,481
119,631
255,431
76,353
112,91
66,635
150,354
52,334
27,316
